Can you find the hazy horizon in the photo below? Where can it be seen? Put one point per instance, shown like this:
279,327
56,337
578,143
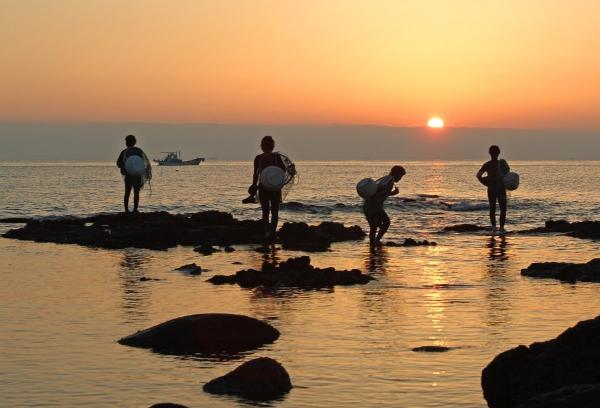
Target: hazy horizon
103,141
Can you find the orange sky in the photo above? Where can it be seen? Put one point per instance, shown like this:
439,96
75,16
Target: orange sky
532,64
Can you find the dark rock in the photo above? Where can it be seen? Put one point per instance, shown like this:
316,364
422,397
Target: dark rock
432,349
167,405
295,272
260,379
206,250
211,333
14,220
517,375
236,263
573,396
155,230
314,238
145,279
465,228
191,269
229,249
409,242
581,229
566,272
161,230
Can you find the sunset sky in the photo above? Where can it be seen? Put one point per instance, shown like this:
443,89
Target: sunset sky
502,64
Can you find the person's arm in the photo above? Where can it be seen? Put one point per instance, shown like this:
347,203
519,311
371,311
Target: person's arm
254,187
120,160
480,173
505,167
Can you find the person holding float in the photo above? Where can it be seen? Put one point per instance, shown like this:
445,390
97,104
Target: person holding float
273,171
498,178
135,169
374,194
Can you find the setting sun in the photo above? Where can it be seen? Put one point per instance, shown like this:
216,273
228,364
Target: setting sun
435,122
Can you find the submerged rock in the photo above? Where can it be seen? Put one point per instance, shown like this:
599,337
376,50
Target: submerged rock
167,405
260,379
191,269
161,230
573,396
515,376
409,242
564,271
206,249
313,238
211,333
295,272
432,349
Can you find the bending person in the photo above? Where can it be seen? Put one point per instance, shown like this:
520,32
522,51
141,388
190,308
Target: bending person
269,199
378,220
495,170
136,169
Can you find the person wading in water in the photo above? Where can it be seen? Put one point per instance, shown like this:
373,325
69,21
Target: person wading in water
270,199
494,181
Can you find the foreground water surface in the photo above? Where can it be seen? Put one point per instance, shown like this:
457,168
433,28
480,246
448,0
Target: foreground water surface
63,307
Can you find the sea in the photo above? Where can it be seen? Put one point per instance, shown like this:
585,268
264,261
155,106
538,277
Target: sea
63,307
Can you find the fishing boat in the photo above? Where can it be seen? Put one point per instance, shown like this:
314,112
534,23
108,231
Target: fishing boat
174,159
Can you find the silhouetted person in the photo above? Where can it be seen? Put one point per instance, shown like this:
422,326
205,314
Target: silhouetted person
269,200
378,220
133,181
496,170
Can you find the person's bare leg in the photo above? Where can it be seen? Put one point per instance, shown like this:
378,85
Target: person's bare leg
492,202
383,226
274,218
126,196
264,205
136,198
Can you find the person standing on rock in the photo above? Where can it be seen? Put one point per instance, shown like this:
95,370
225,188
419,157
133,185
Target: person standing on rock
136,170
378,220
495,170
269,192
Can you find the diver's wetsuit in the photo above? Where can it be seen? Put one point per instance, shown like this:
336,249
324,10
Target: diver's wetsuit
496,170
375,213
269,200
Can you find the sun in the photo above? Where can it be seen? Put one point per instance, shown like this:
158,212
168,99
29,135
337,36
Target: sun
435,122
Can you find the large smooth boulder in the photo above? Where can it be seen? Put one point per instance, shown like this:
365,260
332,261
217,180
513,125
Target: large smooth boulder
573,396
259,379
517,375
211,333
565,271
295,272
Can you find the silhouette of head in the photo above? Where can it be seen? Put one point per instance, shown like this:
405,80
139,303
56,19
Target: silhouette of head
267,144
397,172
130,141
494,151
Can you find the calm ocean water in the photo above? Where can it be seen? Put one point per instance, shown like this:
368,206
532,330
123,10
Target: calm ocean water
63,307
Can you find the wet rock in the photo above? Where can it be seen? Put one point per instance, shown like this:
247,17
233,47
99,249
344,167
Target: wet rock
409,242
573,396
260,379
211,333
167,405
161,230
314,238
517,375
432,349
206,250
564,271
154,230
229,249
465,228
295,272
581,229
14,220
146,279
236,263
191,269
